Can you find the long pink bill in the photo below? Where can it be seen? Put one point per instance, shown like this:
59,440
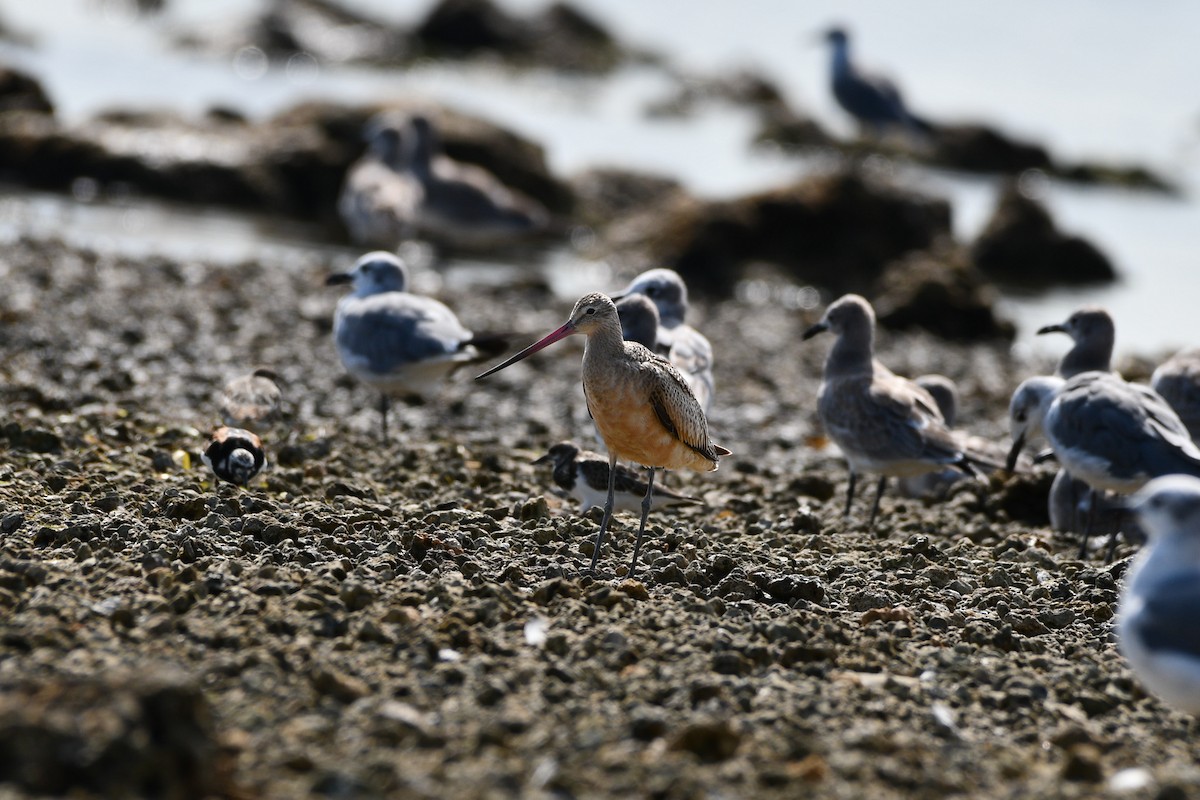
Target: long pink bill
550,338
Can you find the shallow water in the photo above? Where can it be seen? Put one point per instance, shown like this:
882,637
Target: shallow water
1047,72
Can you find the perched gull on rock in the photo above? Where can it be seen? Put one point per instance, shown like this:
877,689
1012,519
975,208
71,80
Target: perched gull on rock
641,404
1178,380
685,346
1158,617
401,344
883,423
873,100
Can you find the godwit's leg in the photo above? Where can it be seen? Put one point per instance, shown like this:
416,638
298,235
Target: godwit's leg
384,404
875,505
1093,501
608,509
637,545
850,493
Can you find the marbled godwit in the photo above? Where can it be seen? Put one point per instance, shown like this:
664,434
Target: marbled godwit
882,422
584,475
685,346
234,455
252,401
1158,616
378,196
461,205
1114,436
641,405
1092,335
401,344
1178,380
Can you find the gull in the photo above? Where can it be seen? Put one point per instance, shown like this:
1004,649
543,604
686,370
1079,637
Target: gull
1113,435
873,100
883,423
1178,380
641,404
584,475
1092,335
400,343
378,196
1158,616
686,347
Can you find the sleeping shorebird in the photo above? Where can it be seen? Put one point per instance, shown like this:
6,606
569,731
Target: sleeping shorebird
882,422
685,346
641,405
462,205
399,343
234,455
1158,616
584,475
378,196
252,401
1178,380
1114,436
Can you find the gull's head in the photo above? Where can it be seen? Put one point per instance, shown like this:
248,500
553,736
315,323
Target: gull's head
836,36
1027,411
1086,324
850,313
639,319
374,273
666,290
1169,506
384,140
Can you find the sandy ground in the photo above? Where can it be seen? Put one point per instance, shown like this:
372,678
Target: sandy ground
411,620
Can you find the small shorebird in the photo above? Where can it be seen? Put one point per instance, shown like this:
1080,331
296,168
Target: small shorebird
399,343
234,455
462,205
1112,435
873,100
685,346
882,422
584,475
642,406
252,401
1158,616
1178,380
1092,335
378,197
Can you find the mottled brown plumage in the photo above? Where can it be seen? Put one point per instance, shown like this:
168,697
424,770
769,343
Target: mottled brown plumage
252,401
642,406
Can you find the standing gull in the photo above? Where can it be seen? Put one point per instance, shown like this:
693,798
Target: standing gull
1158,617
584,475
639,320
640,403
1178,380
378,196
685,346
1114,436
883,423
401,344
873,100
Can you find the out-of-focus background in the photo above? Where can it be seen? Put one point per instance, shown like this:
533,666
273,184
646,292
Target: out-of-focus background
1103,84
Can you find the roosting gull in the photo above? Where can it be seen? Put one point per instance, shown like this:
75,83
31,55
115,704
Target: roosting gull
873,100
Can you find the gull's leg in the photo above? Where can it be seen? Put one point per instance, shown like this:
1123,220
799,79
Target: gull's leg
875,507
1093,501
384,404
850,493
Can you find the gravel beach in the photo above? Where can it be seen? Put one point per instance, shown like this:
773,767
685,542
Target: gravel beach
411,619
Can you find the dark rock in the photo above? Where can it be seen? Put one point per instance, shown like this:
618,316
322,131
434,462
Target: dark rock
709,741
603,195
787,129
834,231
149,735
1021,245
22,92
33,440
942,293
1084,763
981,148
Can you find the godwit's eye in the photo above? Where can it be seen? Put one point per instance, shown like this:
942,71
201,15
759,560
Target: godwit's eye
590,311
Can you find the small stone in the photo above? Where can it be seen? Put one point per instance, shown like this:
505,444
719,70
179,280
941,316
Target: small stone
710,741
